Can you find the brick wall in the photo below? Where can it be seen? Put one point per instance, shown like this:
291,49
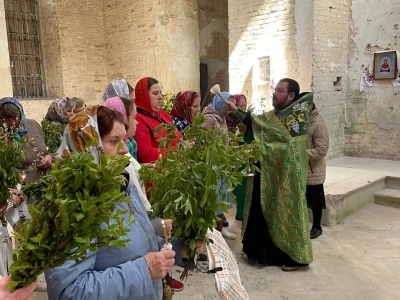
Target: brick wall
214,46
158,39
267,29
330,54
82,41
5,75
372,119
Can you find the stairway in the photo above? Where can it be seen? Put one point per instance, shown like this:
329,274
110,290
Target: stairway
390,195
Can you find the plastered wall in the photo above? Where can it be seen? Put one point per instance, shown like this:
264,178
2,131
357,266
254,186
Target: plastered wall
372,120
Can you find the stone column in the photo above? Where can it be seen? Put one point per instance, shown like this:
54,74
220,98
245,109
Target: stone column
5,74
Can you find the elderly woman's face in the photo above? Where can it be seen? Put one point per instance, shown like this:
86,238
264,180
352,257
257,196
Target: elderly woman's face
10,116
113,143
195,108
70,113
242,103
12,122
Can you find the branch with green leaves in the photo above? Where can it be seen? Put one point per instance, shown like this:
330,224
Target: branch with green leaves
187,180
75,213
52,133
11,155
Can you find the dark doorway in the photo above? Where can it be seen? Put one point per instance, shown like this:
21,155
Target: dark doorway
203,82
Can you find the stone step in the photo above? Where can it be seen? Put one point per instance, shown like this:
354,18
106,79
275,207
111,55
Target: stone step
392,182
388,197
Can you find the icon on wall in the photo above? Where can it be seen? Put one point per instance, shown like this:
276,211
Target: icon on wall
385,65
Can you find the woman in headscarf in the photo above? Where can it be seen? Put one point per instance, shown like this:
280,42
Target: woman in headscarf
122,89
36,160
124,106
62,109
119,88
112,273
185,108
216,117
128,109
150,115
231,121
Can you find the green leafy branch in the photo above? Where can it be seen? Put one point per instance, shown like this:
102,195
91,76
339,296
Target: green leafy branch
169,100
187,181
53,133
75,213
10,160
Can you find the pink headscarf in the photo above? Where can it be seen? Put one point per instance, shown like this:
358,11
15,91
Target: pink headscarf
237,98
115,103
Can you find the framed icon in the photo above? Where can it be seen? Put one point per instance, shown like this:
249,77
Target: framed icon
385,65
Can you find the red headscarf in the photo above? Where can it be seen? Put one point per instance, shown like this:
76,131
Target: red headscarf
182,106
142,95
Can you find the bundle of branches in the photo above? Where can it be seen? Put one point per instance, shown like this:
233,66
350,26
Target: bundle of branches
52,133
188,180
75,213
10,156
36,190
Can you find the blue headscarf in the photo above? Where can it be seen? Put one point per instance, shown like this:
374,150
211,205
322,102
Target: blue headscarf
21,130
218,104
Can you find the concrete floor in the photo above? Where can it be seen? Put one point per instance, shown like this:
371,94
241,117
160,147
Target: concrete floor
345,174
358,259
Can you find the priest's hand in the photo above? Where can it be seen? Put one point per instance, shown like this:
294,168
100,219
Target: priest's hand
230,106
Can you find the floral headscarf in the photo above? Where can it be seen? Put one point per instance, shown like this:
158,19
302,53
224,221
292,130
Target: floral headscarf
218,104
142,95
21,130
81,129
58,109
182,106
116,88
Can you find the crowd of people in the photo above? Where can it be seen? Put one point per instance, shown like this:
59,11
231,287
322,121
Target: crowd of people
272,204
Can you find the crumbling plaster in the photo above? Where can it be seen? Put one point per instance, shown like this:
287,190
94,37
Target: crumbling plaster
372,120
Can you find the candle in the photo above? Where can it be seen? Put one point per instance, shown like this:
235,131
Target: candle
160,156
165,232
22,175
47,150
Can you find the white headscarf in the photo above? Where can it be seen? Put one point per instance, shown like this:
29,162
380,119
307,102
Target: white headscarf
116,88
